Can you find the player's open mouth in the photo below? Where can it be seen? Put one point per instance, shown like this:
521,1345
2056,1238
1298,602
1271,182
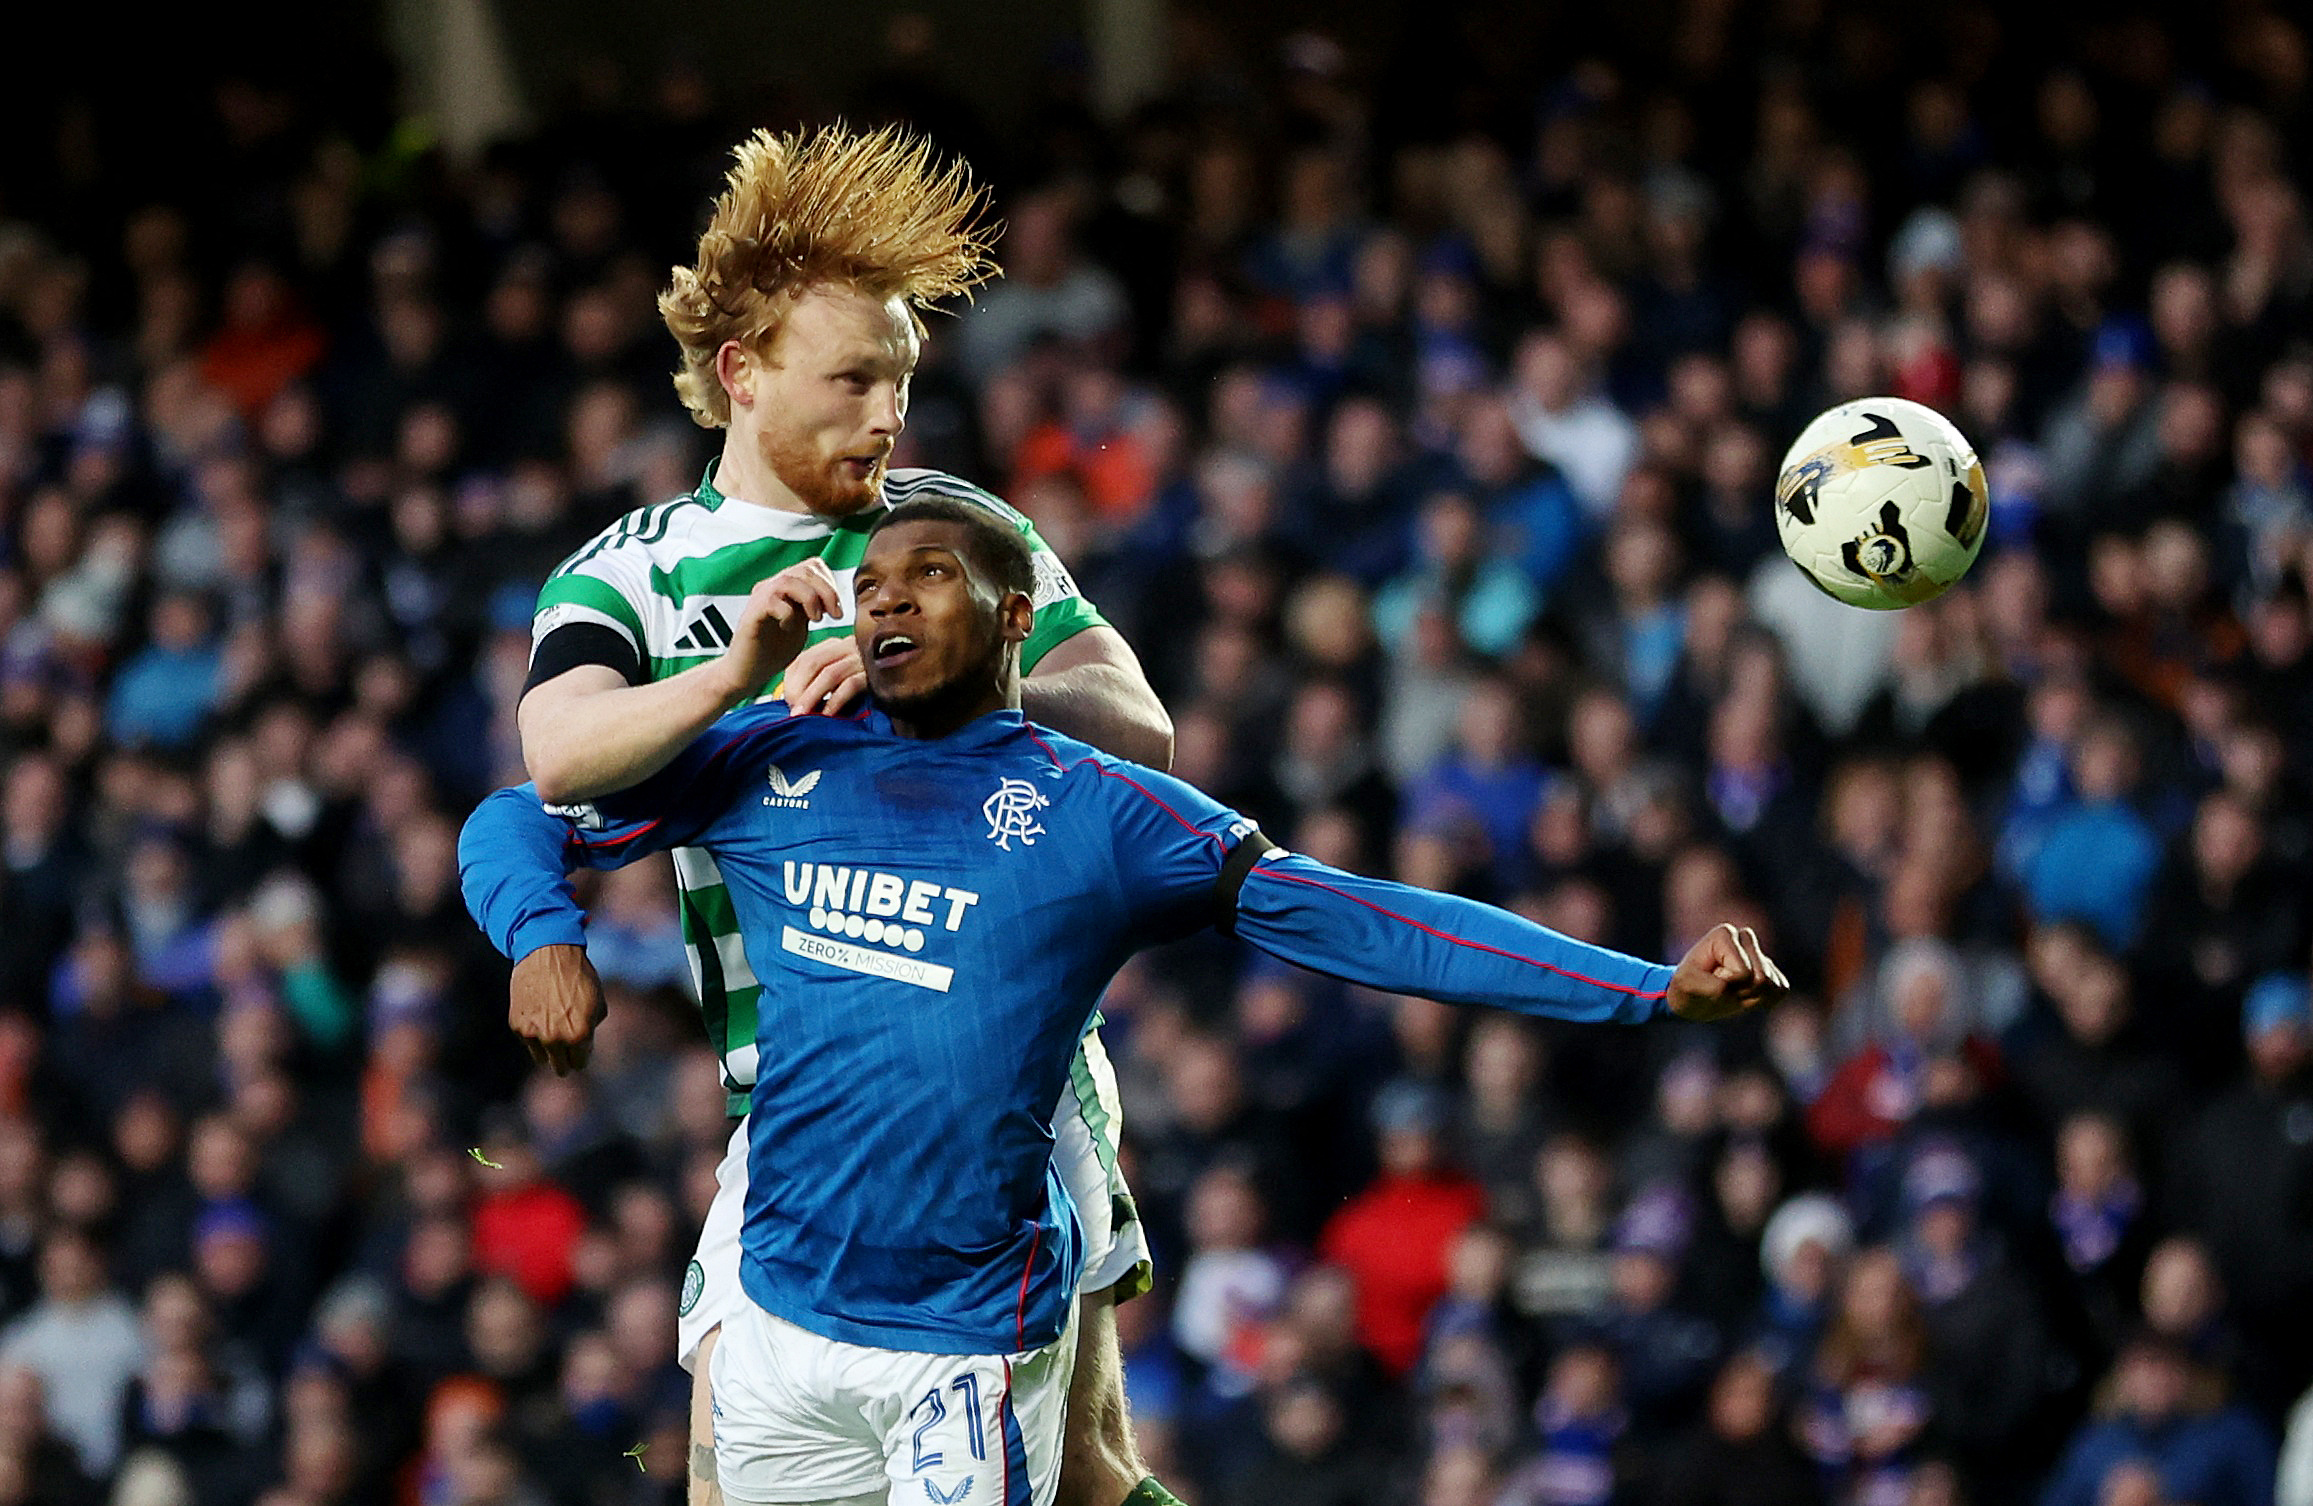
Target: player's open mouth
892,648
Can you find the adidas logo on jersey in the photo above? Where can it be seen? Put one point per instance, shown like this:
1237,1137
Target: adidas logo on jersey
791,793
709,631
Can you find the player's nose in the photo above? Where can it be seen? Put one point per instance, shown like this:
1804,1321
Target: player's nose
886,598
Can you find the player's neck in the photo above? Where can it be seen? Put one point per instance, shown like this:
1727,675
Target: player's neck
742,475
958,707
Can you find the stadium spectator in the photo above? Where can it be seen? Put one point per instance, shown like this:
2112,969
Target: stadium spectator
47,1466
1051,293
1988,1353
1591,442
2098,860
1564,1267
2199,1451
1487,599
1393,1238
1229,1286
2101,1059
1581,1422
1665,1353
1926,1064
1867,1405
1311,1458
2239,1159
526,1226
1741,1452
81,1342
1501,1126
2098,1214
1487,786
1802,1250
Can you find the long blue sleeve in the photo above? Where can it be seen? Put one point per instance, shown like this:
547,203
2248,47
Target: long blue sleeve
1413,941
514,852
511,867
1175,847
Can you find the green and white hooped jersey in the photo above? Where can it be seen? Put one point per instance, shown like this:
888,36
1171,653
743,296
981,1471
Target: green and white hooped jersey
671,580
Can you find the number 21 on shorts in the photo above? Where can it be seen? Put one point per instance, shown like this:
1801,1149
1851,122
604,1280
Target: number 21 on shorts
932,1410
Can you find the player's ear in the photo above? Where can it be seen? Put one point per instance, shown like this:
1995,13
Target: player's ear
735,369
1019,616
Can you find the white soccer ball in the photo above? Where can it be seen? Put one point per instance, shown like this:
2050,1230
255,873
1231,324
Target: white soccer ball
1881,502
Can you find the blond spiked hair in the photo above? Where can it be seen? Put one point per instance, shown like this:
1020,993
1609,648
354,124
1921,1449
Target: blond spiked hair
867,210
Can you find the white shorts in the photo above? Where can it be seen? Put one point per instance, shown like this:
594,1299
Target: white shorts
1084,1135
803,1418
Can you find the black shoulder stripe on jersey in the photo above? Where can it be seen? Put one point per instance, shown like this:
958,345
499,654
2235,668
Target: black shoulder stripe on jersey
616,534
643,525
654,528
599,543
1250,849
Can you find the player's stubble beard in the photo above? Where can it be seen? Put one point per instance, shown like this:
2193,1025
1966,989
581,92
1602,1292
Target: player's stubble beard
986,668
820,482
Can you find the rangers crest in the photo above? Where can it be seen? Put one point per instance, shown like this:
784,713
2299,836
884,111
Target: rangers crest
1011,812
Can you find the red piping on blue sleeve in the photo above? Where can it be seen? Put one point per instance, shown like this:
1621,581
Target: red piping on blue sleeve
1620,988
643,830
1105,772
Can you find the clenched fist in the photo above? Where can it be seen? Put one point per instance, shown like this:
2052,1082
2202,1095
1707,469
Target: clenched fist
1727,973
553,1003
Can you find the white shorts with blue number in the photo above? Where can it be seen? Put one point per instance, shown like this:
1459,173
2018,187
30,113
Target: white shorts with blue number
800,1418
1084,1135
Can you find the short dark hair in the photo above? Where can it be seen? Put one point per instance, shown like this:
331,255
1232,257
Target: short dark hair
996,548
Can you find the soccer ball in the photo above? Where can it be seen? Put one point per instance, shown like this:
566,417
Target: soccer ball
1881,502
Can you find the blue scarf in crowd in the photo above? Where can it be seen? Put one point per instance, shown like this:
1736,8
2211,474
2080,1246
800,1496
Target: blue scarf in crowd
2091,1229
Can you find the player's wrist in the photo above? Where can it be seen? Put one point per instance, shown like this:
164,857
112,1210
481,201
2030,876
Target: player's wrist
726,683
1657,981
538,933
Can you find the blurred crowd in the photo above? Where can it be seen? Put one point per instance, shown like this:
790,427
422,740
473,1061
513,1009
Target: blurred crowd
1414,412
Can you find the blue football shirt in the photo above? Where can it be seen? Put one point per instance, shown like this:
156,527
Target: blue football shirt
933,923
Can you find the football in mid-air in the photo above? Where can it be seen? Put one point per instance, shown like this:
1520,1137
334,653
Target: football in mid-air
1881,502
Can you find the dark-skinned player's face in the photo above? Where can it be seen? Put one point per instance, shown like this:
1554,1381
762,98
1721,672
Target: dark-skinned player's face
930,625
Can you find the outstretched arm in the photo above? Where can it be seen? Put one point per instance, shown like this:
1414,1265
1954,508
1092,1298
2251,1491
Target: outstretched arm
1407,940
1187,861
